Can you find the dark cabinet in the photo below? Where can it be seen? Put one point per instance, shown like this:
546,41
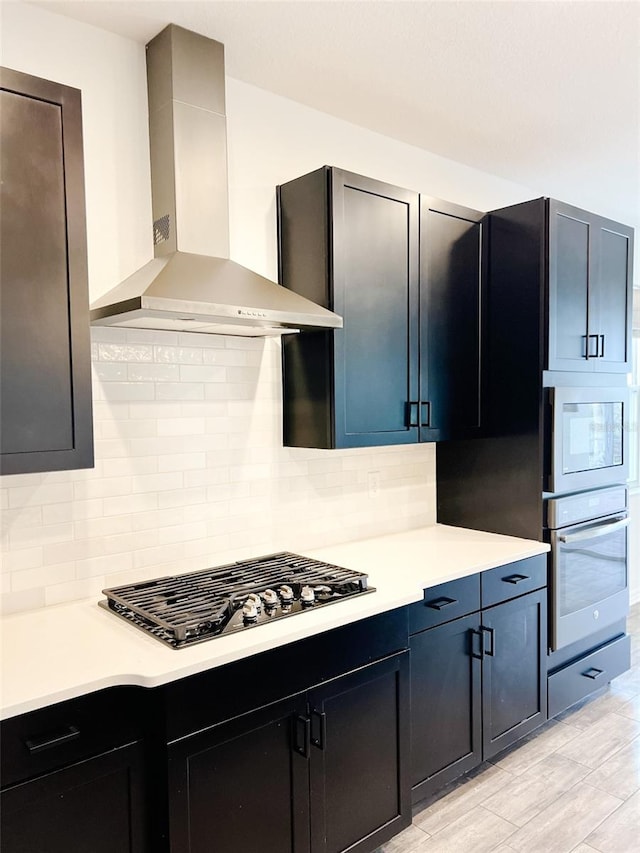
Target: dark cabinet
94,806
478,681
404,272
45,372
322,771
73,777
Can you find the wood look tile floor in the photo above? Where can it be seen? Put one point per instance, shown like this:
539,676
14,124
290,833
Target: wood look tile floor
573,786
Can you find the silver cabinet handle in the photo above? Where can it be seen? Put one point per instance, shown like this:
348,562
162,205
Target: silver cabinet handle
594,532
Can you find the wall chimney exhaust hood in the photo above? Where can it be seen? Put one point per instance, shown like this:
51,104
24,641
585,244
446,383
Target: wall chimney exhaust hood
191,285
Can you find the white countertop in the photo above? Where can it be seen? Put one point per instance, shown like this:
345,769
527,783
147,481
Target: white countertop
68,650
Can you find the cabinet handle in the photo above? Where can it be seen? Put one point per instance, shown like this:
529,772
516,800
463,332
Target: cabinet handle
413,419
492,636
601,354
440,603
479,654
321,737
588,353
593,673
305,722
425,414
48,741
515,579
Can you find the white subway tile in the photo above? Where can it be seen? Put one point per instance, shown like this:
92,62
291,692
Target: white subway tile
128,391
39,494
154,410
127,429
32,537
257,343
105,487
38,578
131,465
110,371
73,590
103,411
182,461
157,518
243,374
110,448
130,504
184,497
19,559
206,477
103,565
131,542
209,409
87,509
108,335
16,602
96,527
153,372
125,352
227,391
157,482
76,549
182,533
181,426
158,556
225,357
178,355
202,373
28,516
180,391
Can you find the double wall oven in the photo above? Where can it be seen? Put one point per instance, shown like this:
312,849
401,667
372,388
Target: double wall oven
586,510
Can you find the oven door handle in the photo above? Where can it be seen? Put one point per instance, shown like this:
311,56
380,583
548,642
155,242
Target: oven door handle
594,532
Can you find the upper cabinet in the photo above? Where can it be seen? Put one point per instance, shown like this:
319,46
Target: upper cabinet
45,373
404,273
580,266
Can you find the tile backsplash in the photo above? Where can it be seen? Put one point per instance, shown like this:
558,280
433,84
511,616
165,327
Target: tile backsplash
190,472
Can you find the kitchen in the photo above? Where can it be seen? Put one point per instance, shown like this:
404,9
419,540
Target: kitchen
188,429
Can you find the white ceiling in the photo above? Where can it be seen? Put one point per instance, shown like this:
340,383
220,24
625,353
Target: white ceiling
544,93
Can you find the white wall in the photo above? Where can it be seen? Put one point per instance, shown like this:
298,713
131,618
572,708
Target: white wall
190,470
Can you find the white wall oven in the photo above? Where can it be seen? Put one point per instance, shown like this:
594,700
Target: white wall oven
588,583
589,444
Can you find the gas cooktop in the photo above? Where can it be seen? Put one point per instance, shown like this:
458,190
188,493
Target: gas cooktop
185,609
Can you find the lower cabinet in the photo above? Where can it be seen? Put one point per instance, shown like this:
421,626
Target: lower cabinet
320,772
478,682
93,806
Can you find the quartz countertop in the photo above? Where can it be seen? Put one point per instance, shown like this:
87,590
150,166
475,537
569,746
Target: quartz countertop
67,650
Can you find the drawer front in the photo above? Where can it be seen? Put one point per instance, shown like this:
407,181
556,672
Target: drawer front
44,740
513,579
579,679
445,602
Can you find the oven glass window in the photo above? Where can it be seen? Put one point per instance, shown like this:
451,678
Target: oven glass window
591,570
591,436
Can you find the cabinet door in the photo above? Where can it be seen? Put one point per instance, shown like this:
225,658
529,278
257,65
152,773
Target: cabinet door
572,235
45,373
451,308
446,710
514,677
375,290
610,297
95,806
243,786
359,758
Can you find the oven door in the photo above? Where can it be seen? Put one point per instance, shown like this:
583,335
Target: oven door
589,577
589,441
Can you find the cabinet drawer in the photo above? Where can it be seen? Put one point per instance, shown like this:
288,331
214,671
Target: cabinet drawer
514,579
574,682
44,740
445,602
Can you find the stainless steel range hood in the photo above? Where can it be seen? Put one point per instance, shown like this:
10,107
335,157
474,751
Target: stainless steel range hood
191,285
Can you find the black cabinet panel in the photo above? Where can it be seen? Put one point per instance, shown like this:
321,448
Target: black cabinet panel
359,736
95,806
242,786
45,376
445,602
446,708
451,314
514,683
613,298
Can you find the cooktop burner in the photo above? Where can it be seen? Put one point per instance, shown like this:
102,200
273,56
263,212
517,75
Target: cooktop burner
187,609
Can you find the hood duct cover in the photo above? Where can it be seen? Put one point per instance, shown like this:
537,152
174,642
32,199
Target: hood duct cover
191,285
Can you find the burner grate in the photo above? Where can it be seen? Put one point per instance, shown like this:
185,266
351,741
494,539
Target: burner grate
185,609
